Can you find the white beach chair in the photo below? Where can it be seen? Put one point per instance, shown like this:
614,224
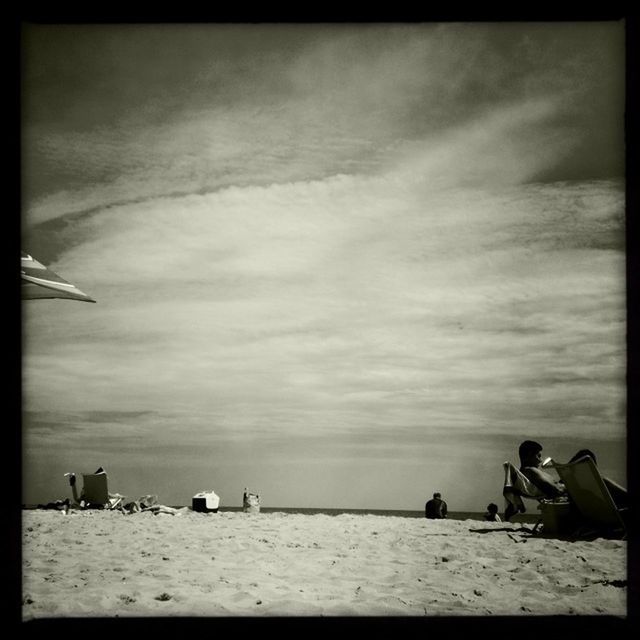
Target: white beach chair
588,492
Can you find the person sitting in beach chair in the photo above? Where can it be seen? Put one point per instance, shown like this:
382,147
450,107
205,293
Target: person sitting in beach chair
530,454
94,493
532,481
531,465
250,502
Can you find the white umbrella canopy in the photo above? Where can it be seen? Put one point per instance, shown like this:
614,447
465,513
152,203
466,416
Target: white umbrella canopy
40,282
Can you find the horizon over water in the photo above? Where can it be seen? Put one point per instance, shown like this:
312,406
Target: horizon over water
531,517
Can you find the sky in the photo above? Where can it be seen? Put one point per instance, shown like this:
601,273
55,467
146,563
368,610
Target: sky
344,266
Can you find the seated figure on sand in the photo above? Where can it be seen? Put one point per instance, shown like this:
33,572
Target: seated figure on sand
99,498
250,502
492,513
530,453
436,508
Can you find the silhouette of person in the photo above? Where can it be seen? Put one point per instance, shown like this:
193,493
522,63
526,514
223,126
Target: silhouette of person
436,508
492,513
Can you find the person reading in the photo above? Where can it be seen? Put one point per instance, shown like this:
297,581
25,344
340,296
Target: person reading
530,453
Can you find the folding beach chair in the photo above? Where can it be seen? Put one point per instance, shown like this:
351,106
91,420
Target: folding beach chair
588,492
95,489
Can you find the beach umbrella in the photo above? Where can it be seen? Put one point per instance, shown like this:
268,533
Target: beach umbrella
40,282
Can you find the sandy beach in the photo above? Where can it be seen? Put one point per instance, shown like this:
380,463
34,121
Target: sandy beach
106,564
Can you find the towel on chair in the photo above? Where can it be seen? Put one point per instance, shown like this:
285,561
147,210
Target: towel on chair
517,485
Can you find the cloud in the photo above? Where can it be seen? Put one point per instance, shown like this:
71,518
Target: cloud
322,101
345,302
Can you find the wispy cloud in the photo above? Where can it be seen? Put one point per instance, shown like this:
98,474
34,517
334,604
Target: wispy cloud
325,297
321,101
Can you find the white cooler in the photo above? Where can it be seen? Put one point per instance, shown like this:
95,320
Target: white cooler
205,502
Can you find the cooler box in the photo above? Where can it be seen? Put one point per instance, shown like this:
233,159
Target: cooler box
558,517
205,502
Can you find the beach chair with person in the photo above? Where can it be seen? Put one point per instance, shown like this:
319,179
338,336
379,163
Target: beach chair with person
580,503
250,502
516,487
95,493
532,480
